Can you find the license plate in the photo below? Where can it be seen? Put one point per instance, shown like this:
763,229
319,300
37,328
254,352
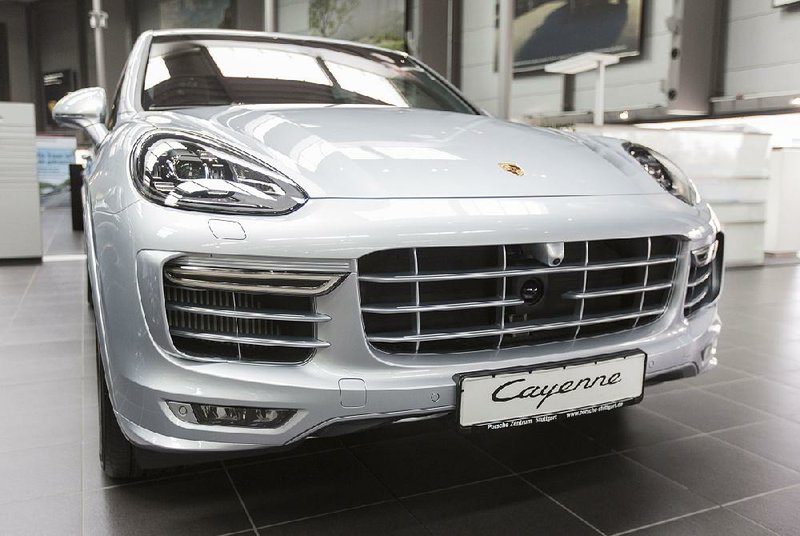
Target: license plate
515,398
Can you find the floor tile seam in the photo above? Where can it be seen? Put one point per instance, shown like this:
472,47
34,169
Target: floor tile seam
670,520
386,487
668,418
324,514
239,497
146,481
284,456
753,521
611,452
668,479
391,439
534,487
752,408
757,455
759,495
451,488
695,492
766,415
25,293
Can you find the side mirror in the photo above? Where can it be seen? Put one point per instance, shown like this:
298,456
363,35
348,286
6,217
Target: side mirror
84,109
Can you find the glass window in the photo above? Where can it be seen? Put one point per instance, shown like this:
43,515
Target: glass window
185,72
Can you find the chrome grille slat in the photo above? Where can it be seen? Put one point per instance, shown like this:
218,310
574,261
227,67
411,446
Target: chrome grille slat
244,312
417,315
702,286
444,300
504,256
256,341
411,278
454,306
619,291
583,288
697,299
700,280
214,310
201,276
514,329
646,277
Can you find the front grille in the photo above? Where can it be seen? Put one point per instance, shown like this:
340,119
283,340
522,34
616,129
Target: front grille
460,299
243,314
705,277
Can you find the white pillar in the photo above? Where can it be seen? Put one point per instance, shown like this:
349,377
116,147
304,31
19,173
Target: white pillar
270,19
600,95
98,20
505,58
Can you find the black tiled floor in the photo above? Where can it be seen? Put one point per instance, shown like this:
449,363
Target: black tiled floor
717,522
777,440
778,511
485,507
714,469
426,462
629,428
203,503
538,446
702,410
291,488
389,518
763,394
616,494
670,466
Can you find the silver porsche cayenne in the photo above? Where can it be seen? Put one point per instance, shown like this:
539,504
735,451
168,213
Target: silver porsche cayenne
291,237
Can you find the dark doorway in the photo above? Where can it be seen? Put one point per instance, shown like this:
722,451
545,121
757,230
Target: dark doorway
5,90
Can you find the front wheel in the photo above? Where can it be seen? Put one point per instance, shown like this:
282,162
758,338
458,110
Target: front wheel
117,455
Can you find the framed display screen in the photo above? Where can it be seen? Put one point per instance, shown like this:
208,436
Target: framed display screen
551,30
781,3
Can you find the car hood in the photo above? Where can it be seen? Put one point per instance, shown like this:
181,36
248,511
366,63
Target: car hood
386,152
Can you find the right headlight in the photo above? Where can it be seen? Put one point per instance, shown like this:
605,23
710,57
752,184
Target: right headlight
188,172
665,172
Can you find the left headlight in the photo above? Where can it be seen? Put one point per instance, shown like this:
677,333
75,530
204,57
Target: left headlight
182,171
665,172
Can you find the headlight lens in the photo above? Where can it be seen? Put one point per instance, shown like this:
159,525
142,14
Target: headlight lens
665,172
182,171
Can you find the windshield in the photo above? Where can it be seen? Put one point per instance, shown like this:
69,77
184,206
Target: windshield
187,72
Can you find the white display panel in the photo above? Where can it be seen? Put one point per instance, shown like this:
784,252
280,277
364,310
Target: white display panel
20,213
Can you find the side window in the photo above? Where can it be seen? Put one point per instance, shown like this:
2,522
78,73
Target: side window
111,120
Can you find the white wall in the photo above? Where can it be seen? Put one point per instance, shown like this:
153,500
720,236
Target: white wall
636,83
763,53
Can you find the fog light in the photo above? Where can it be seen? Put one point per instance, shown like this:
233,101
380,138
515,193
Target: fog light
211,415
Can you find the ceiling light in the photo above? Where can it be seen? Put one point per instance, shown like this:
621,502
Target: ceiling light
624,115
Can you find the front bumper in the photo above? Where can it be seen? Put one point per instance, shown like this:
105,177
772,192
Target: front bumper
128,249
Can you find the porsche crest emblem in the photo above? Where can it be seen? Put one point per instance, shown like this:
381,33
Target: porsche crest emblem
512,168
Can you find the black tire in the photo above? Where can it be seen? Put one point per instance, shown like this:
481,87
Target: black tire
117,455
89,298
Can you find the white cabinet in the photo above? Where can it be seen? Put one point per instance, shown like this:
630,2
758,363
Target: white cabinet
731,170
783,207
20,213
